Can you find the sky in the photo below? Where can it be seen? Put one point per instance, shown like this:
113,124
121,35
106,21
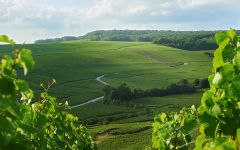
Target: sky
29,20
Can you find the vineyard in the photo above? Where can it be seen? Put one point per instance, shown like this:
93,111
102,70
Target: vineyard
33,119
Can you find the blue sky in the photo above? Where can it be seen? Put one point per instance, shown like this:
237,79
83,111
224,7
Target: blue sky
29,20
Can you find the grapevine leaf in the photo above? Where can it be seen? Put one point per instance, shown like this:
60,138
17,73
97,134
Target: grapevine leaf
26,60
222,143
207,100
227,71
235,88
232,34
163,117
209,124
5,39
228,52
236,60
216,111
201,139
218,58
6,86
229,126
238,138
221,38
217,78
22,85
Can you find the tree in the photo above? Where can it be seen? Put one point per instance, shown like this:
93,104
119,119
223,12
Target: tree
122,93
204,83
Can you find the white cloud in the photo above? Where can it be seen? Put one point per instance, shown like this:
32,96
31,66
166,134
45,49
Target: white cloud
28,20
138,9
186,4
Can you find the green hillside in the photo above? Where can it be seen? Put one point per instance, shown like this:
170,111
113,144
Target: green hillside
76,65
189,40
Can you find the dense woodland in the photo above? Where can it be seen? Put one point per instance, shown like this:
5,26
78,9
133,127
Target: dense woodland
189,40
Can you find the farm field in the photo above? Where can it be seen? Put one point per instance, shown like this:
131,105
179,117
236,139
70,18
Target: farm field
76,65
122,136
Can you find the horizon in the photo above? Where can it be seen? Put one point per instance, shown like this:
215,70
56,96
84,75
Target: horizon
134,30
27,21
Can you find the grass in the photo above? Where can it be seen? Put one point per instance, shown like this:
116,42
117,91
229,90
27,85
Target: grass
94,110
75,65
170,103
141,118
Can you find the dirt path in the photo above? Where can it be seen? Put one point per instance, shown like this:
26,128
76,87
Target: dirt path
99,79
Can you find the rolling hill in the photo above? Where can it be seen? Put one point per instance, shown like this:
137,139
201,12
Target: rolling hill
77,65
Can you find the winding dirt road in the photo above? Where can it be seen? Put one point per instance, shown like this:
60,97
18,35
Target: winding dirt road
99,79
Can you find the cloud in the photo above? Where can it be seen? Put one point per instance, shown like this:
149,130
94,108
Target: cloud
188,4
28,20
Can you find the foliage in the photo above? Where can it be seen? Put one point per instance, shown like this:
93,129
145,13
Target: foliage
44,124
220,105
219,111
58,40
175,130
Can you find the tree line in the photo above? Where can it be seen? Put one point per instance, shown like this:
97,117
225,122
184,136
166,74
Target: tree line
124,93
188,40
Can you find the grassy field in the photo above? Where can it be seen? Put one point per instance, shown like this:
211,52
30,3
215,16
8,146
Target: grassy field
75,66
170,103
122,136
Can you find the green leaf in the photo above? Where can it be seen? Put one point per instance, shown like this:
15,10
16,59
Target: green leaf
6,86
26,60
22,85
209,124
216,110
228,52
218,58
232,34
227,71
5,39
163,117
238,138
236,60
221,38
217,79
200,142
223,143
234,90
207,99
229,125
